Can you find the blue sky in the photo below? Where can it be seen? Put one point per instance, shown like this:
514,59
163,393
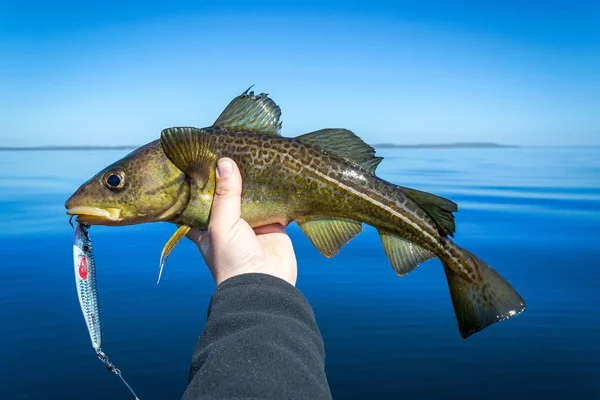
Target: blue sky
405,72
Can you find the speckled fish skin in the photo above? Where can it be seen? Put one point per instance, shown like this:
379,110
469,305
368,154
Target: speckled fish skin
291,179
284,179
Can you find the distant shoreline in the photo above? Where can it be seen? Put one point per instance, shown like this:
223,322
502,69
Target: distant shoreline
55,148
461,145
465,145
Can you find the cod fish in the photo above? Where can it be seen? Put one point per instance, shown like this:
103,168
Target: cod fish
324,181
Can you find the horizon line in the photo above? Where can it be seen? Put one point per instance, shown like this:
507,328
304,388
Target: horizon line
383,145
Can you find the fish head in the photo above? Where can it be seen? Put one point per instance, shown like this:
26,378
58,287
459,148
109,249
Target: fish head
144,186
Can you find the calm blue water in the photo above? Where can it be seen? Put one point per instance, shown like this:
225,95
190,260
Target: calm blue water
533,214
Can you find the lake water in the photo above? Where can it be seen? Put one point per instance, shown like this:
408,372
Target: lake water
533,214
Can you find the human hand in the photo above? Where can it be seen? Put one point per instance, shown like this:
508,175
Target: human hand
230,246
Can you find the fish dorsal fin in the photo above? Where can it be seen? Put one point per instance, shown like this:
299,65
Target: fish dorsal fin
191,150
438,208
344,144
251,113
404,256
329,234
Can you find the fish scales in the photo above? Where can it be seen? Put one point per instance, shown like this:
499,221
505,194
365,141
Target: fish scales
278,166
310,179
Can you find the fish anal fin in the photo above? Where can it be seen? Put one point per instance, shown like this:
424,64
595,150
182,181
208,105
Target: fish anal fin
345,144
329,234
170,245
439,209
249,112
404,256
191,150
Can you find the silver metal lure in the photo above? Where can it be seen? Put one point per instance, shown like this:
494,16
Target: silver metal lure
85,280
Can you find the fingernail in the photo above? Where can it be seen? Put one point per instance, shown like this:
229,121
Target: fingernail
224,169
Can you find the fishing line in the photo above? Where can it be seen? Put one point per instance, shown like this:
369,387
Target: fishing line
111,367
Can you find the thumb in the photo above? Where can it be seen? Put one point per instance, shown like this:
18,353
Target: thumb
226,207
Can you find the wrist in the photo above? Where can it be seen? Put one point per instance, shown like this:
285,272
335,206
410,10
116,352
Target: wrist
256,277
288,276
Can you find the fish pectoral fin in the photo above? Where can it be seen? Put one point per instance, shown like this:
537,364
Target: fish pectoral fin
251,113
345,144
329,234
191,150
438,208
170,245
404,256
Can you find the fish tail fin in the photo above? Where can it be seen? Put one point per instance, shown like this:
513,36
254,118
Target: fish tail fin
483,300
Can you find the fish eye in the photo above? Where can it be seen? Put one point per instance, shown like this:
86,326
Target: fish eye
86,248
114,180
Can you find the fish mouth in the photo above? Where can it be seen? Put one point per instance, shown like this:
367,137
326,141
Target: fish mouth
95,215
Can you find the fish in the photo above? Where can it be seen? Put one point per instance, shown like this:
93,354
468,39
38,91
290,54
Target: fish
87,292
325,181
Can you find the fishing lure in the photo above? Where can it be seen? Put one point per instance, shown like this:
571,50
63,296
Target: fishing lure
85,280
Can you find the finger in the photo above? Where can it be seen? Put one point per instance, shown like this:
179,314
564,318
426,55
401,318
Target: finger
226,207
272,228
194,235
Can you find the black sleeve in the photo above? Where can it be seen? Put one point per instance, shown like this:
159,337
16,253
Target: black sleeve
261,340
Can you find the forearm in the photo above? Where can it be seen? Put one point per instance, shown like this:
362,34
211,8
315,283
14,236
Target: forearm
260,340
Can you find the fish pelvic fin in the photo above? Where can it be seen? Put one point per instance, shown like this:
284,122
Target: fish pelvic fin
404,256
170,245
483,300
191,150
249,112
345,144
439,209
329,234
